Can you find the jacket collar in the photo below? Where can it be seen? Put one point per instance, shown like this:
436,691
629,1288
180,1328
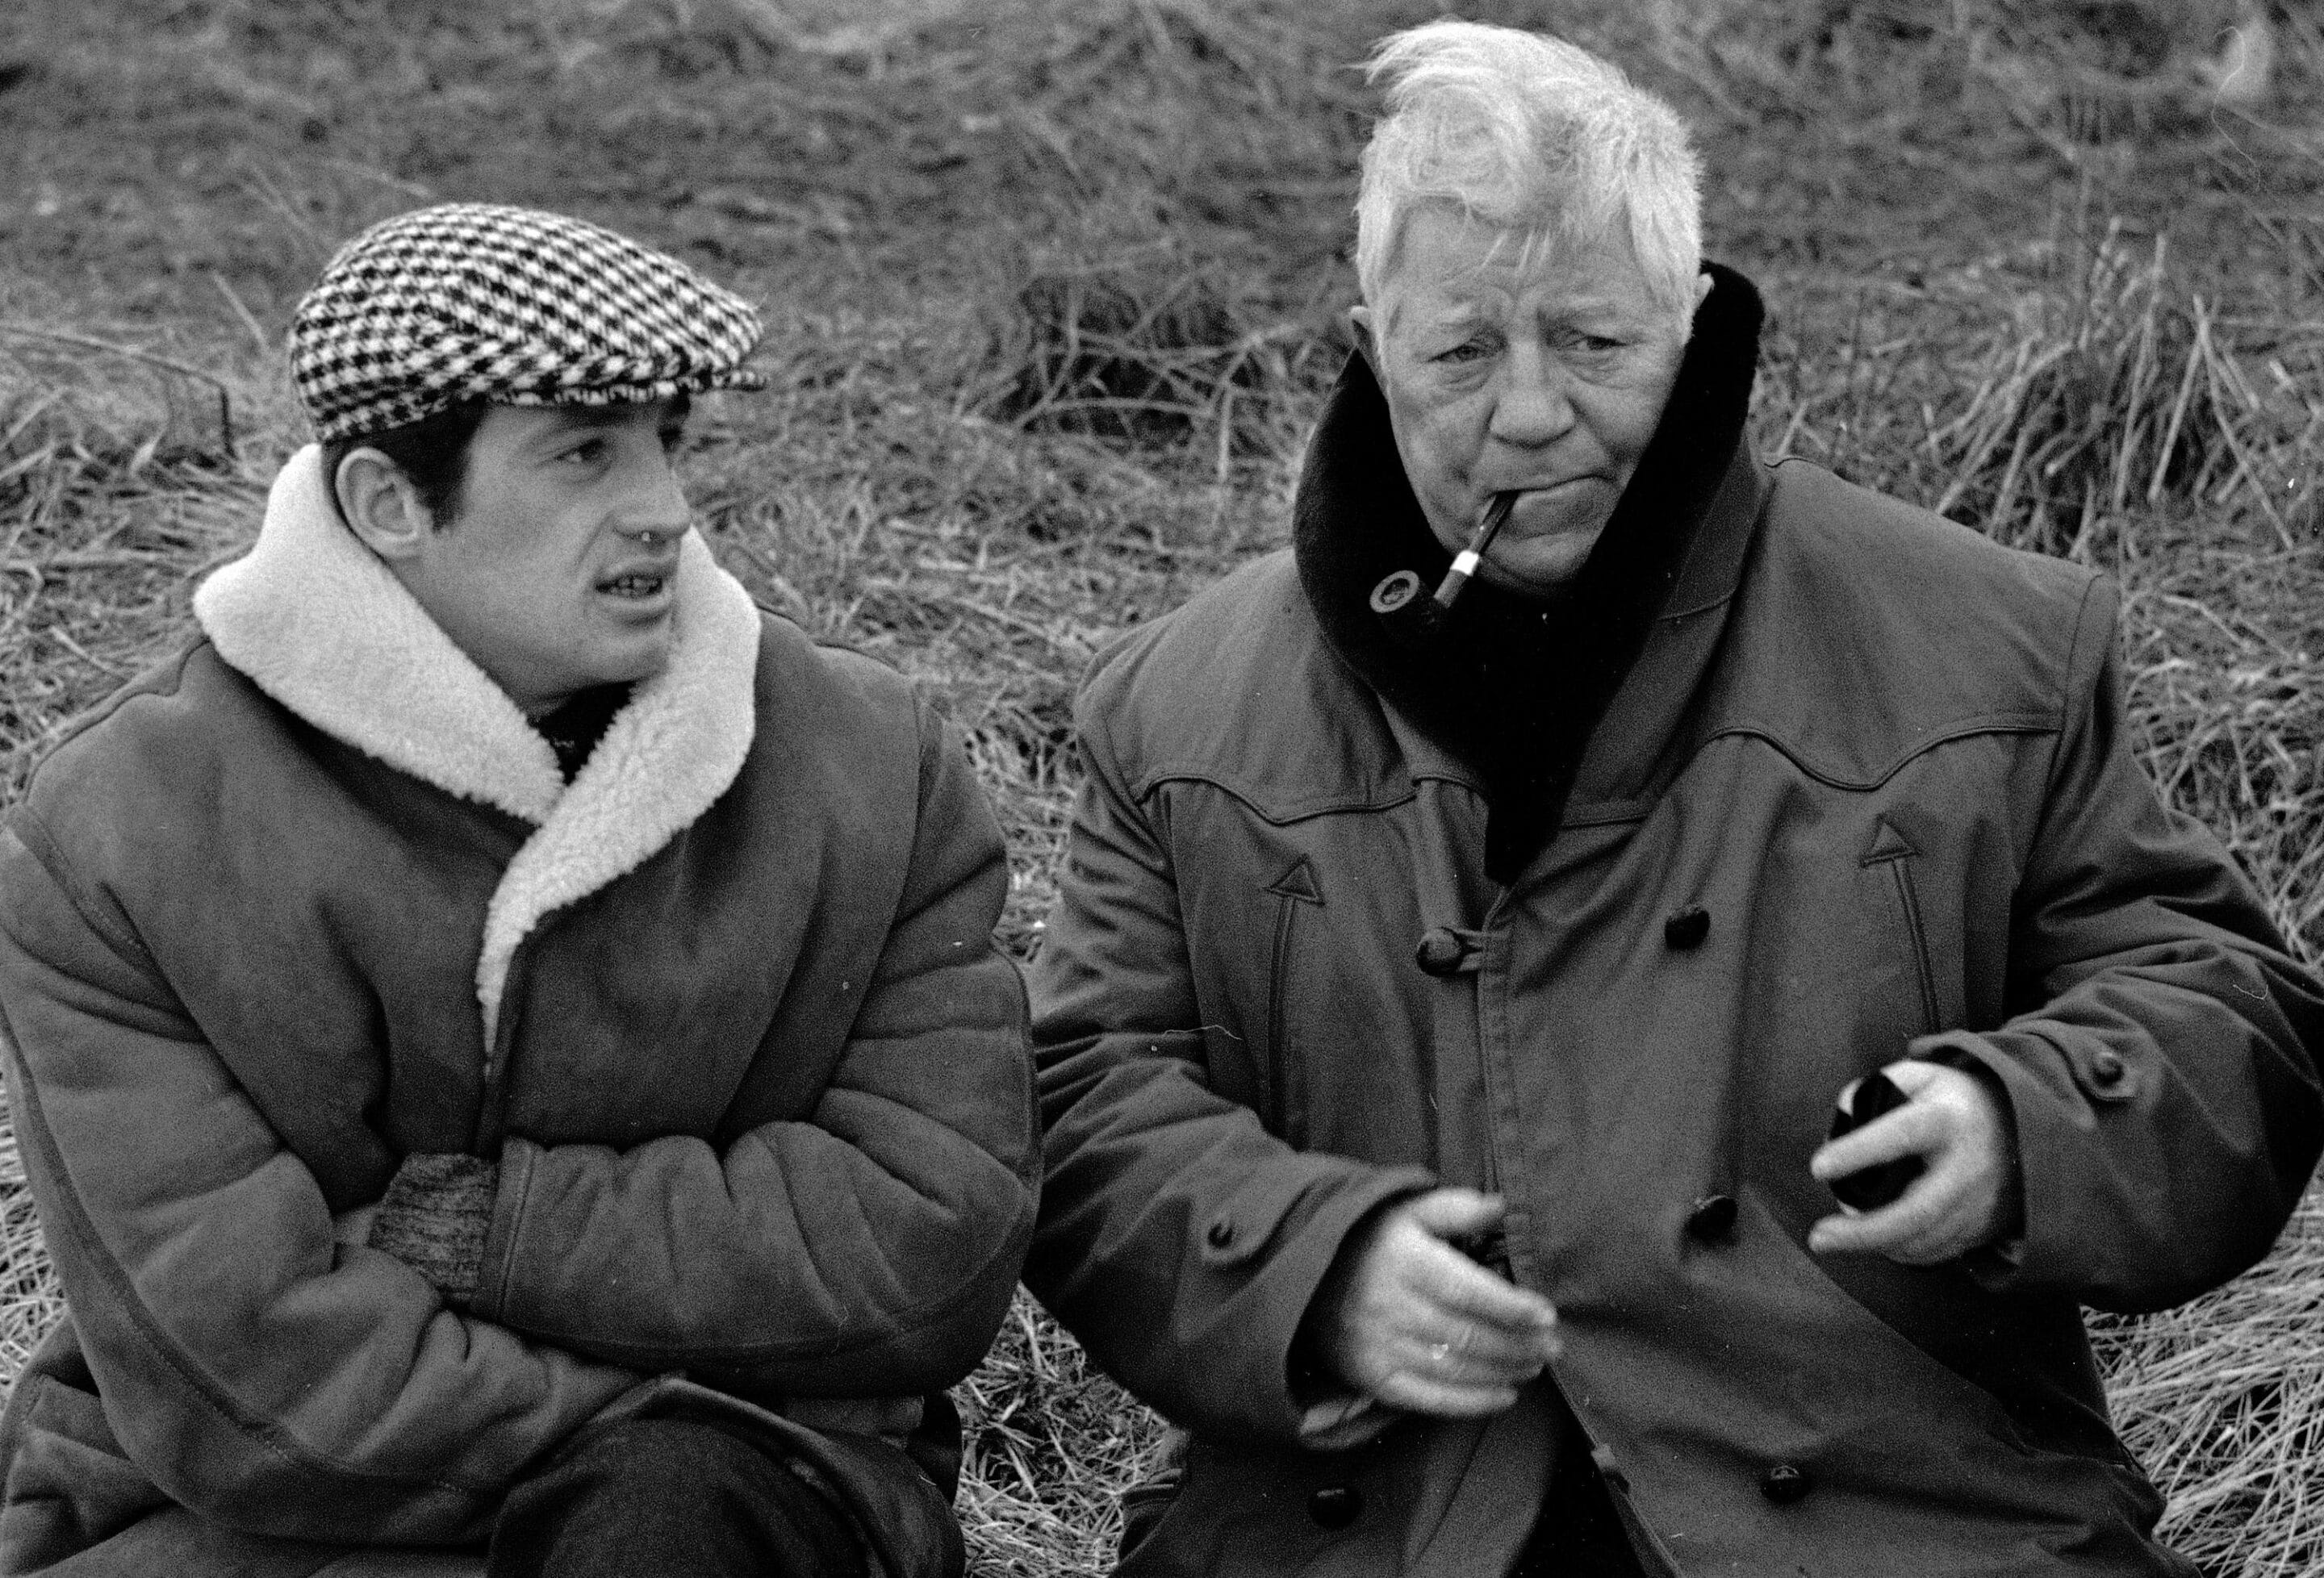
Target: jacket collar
314,620
1516,688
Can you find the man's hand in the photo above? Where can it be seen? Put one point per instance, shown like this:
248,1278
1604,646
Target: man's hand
1407,1320
1970,1195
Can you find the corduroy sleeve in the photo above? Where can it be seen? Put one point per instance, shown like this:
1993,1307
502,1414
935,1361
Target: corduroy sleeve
2163,1078
1180,1242
265,1377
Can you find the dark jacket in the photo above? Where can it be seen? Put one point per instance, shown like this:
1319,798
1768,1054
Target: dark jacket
310,898
1862,790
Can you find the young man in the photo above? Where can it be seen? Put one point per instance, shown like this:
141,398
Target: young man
504,1035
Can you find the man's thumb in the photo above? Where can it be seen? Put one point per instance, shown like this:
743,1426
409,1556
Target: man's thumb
1450,1213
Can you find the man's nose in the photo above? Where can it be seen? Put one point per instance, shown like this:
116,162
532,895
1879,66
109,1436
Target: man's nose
654,502
1535,407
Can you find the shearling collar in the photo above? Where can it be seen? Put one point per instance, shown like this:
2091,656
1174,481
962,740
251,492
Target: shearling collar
1515,686
319,623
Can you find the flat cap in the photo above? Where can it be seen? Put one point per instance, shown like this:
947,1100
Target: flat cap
475,301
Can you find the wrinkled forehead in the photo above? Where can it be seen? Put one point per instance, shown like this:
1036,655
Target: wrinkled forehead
1446,261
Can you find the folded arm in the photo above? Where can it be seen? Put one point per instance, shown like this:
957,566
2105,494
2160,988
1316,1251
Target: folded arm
264,1376
871,1250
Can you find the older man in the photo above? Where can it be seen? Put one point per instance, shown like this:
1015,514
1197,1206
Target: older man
507,1045
1442,1024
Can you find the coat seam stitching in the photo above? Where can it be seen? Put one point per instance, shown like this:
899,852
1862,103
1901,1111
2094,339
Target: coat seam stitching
2066,690
1297,811
1995,724
45,848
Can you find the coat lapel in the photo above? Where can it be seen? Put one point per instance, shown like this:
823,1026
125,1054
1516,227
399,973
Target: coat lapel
667,757
319,624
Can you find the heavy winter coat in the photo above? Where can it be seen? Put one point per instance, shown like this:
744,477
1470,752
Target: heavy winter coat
1860,790
311,897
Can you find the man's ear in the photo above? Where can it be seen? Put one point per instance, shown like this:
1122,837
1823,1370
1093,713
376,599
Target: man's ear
381,506
1359,324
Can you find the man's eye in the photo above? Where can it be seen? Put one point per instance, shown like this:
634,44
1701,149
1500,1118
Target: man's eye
589,452
1466,351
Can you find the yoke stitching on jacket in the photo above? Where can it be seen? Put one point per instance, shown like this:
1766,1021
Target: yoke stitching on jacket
1966,729
1297,810
1614,811
271,1435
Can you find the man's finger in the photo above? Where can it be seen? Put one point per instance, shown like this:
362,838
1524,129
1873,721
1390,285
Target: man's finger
1914,1075
1476,1354
1454,1212
1919,1129
1456,1291
1920,1224
1852,1235
1422,1394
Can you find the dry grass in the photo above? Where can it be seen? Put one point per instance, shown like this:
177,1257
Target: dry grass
1054,290
2226,1395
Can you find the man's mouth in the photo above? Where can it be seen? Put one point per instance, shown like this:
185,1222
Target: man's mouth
1548,486
636,584
1549,496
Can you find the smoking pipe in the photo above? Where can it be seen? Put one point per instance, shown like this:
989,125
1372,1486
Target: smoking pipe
1416,620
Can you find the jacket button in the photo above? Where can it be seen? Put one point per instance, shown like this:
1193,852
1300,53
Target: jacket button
1219,1234
1441,951
1688,928
1336,1506
1785,1484
1712,1219
2106,1066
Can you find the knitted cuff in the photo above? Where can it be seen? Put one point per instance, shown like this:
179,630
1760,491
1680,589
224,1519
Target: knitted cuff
438,1209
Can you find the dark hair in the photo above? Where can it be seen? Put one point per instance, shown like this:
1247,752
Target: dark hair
432,453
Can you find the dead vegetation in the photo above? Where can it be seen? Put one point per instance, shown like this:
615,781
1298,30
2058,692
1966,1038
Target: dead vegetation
2225,1397
1054,288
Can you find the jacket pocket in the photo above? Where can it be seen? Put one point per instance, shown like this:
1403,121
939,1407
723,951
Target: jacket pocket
1893,849
1283,1103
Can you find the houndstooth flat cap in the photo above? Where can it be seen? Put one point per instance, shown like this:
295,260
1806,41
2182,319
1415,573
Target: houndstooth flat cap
470,301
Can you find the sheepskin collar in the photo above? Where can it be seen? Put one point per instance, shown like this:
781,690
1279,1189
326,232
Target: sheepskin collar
1516,685
317,622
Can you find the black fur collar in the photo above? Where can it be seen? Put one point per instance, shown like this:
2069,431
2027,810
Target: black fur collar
1515,687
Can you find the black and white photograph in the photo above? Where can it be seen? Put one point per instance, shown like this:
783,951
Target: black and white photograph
1188,788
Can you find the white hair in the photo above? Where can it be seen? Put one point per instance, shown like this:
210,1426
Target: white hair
1530,133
